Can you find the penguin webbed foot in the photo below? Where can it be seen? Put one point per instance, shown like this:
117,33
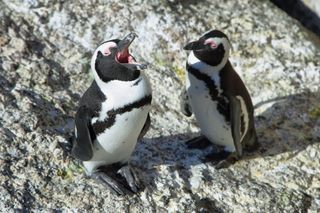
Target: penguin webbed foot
131,178
200,142
222,159
120,181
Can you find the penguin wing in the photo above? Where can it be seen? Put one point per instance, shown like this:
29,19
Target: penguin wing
145,127
82,147
235,118
184,104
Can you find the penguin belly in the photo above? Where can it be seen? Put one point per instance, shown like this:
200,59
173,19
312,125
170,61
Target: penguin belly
211,122
117,143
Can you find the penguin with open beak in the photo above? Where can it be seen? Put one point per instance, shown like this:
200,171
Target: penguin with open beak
113,114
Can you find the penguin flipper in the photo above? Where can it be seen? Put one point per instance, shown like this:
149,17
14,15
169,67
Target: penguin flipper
82,147
184,104
235,119
145,128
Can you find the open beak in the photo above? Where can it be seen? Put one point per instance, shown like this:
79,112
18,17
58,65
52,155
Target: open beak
195,45
124,57
124,44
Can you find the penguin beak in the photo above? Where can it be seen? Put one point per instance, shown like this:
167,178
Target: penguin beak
195,45
124,44
123,55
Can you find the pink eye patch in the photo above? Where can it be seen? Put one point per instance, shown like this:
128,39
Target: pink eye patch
107,47
211,42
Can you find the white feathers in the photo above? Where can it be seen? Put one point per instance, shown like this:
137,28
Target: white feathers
121,93
102,49
117,143
210,121
212,71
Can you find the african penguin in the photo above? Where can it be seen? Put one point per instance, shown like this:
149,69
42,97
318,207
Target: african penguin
218,98
113,114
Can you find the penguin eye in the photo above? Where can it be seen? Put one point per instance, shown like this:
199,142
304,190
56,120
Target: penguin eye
106,52
109,48
211,42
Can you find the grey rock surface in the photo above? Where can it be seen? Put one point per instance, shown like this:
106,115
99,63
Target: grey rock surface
45,48
307,12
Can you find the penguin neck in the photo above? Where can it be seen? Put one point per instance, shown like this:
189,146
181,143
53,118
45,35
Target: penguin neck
119,93
109,87
203,67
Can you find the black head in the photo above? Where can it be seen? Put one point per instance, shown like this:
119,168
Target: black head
212,48
112,60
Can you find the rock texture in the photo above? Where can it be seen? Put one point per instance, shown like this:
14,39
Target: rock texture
44,69
306,11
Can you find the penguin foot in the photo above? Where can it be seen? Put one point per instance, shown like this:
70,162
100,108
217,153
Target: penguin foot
131,178
225,163
121,182
222,159
117,187
200,142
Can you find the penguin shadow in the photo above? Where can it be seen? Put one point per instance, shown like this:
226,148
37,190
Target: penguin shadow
287,126
281,128
51,120
170,151
54,116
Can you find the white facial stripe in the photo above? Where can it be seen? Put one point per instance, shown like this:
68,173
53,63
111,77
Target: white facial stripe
217,41
212,42
105,48
102,49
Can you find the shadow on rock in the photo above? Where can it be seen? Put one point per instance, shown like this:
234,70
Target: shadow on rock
287,126
284,127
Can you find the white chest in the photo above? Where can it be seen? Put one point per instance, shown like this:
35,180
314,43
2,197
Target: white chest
211,122
117,142
122,93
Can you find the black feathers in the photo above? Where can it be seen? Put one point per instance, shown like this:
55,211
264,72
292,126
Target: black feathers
212,57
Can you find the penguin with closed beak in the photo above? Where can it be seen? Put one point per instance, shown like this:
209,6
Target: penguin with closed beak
218,98
113,114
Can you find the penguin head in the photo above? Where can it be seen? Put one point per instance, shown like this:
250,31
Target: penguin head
212,48
113,61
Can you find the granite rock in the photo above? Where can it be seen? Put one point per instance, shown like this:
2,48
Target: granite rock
44,69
